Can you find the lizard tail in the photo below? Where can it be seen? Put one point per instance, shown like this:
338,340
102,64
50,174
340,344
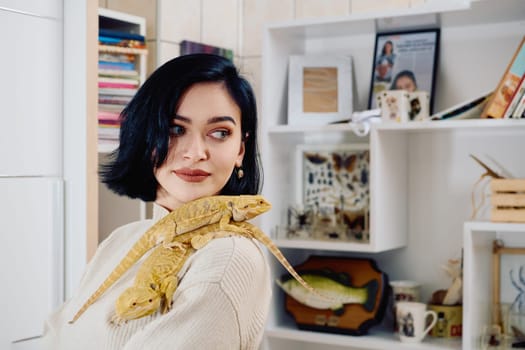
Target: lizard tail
257,234
136,252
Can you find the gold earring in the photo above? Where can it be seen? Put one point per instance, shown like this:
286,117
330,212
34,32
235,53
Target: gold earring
240,173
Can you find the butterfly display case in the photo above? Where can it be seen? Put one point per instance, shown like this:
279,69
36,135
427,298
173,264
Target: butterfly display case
332,192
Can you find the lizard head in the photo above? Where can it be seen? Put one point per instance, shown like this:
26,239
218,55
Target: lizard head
136,302
246,207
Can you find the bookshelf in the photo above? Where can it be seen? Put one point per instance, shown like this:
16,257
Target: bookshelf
123,70
421,175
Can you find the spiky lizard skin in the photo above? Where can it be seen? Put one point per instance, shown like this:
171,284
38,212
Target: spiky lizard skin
144,297
154,284
223,210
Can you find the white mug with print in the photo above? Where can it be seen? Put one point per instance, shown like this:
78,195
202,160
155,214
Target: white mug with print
412,321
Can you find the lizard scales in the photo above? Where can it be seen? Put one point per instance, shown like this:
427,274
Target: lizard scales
188,217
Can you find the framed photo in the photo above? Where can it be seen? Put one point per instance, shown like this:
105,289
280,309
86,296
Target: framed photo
336,177
319,89
404,60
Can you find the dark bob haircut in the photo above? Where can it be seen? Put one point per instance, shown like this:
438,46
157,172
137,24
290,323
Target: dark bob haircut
145,126
404,73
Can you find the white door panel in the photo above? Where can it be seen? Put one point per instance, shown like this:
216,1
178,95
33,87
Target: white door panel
45,8
31,255
31,95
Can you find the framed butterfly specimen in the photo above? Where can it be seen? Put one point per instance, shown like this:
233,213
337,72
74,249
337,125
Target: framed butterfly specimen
336,178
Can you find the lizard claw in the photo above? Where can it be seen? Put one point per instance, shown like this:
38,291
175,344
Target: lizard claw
166,307
173,245
198,242
117,320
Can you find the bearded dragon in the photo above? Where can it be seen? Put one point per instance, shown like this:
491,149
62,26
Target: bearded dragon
155,282
221,210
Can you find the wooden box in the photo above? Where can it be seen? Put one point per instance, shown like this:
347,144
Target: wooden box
507,200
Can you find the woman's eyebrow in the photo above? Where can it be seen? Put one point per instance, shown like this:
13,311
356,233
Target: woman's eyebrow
222,119
212,120
181,118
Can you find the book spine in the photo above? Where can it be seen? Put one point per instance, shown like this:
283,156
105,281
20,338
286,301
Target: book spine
119,73
118,92
126,80
508,84
515,99
117,85
116,65
520,108
120,35
119,49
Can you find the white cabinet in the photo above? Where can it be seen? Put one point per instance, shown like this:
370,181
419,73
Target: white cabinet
43,8
32,254
31,90
31,168
421,173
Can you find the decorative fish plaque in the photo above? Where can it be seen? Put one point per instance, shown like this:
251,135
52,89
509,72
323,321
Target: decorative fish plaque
358,293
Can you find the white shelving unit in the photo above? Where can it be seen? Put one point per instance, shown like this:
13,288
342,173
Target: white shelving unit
421,175
115,210
478,238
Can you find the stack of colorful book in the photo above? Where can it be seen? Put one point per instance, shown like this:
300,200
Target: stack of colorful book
118,77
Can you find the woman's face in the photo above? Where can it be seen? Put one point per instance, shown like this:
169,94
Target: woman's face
405,83
205,146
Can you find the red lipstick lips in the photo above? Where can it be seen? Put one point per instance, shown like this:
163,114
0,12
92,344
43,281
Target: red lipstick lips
191,175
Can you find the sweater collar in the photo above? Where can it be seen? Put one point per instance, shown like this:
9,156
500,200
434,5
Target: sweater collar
159,212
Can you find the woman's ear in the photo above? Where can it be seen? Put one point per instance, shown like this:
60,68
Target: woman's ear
240,156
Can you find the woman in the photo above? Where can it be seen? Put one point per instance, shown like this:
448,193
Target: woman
385,62
404,80
190,131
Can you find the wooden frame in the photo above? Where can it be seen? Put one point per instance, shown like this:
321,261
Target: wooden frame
319,89
498,249
408,55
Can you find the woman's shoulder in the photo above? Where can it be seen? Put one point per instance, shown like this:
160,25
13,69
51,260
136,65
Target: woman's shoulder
124,236
223,259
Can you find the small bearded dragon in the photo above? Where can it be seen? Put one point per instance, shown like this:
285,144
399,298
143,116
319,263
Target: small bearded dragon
156,280
220,210
154,285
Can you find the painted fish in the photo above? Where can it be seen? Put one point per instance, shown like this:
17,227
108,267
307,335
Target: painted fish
339,293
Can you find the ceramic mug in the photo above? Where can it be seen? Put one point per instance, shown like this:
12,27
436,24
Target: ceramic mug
412,321
394,105
418,102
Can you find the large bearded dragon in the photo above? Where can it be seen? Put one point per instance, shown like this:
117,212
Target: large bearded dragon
220,210
156,280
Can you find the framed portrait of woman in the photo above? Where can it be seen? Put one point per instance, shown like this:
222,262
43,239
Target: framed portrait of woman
404,61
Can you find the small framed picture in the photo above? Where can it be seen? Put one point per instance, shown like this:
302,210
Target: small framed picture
335,178
319,89
404,61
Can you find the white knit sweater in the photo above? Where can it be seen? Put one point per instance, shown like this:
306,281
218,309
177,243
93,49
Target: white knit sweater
221,302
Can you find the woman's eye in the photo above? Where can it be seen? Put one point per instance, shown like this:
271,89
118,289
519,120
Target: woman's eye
177,130
220,134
